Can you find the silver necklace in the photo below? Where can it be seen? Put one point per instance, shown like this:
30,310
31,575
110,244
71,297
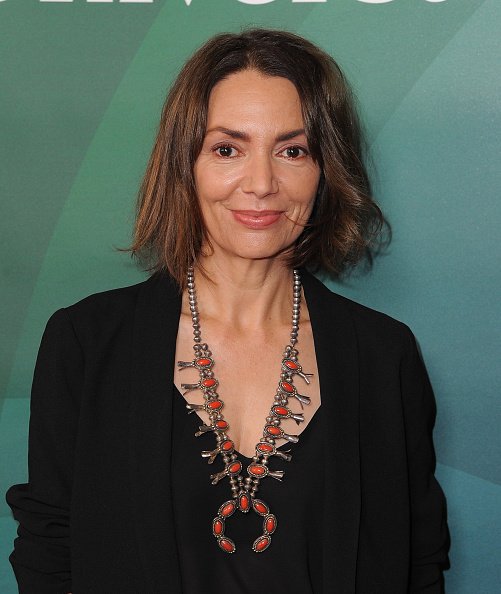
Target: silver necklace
244,489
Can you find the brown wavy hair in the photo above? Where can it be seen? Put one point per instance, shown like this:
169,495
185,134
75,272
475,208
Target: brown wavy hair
346,224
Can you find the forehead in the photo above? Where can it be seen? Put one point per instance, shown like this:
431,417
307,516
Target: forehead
251,97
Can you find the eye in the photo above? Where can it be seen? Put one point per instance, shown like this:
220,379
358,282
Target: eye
294,152
225,151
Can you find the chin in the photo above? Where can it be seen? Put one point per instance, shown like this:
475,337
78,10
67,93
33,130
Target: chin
255,253
262,245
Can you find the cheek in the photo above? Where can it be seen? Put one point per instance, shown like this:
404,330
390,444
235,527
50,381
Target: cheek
208,191
213,187
300,214
306,193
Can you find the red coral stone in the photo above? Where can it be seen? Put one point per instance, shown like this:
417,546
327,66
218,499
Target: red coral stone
227,445
286,387
210,382
218,527
280,411
244,502
221,424
227,545
257,469
260,507
203,362
273,430
262,543
227,509
291,364
264,447
235,467
214,404
270,524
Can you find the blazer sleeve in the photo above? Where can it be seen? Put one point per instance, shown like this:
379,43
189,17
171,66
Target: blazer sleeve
41,556
429,532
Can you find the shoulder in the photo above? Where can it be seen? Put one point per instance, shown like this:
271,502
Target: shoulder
373,328
110,302
105,308
371,322
107,314
380,335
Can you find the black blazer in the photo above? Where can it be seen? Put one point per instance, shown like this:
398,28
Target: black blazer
96,516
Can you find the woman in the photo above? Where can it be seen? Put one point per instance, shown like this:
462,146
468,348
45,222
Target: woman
256,174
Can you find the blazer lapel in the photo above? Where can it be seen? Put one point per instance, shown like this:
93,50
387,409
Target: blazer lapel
154,342
337,360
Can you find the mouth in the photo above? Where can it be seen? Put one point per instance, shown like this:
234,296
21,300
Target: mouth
256,219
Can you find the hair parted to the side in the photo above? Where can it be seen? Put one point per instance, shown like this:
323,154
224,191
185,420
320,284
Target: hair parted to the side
346,224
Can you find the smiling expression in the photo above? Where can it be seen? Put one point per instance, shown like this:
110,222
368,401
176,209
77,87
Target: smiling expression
255,178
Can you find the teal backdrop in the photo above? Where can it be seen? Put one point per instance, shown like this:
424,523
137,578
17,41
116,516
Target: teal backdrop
81,87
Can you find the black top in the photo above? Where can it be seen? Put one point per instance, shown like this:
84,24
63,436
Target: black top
293,561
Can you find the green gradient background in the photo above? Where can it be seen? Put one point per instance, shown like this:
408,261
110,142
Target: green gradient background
81,86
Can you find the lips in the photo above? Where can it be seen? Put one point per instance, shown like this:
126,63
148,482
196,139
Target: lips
256,219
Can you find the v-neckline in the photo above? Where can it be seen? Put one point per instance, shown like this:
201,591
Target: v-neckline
249,458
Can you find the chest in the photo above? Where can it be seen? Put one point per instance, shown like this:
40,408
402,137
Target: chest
248,369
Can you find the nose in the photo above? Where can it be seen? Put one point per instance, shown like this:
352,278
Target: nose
259,176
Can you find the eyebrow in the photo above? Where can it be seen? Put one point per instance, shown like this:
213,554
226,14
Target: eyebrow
244,136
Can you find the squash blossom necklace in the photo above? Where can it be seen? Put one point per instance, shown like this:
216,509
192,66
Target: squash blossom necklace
244,490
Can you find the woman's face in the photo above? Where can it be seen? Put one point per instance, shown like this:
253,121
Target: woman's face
255,179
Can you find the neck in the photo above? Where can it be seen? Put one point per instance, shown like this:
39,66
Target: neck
246,294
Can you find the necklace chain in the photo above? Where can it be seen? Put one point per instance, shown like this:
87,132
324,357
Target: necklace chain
244,490
195,317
